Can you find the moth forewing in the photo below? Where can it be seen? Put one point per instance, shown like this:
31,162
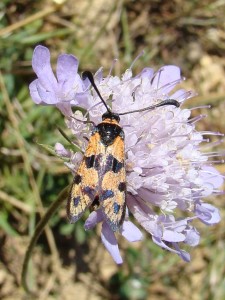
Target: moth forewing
85,186
113,185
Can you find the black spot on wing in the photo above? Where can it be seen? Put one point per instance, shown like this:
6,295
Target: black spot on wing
112,164
89,161
76,201
122,186
95,203
89,191
92,161
77,179
117,166
107,194
116,208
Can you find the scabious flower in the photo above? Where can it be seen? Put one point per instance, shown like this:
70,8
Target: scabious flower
167,173
62,91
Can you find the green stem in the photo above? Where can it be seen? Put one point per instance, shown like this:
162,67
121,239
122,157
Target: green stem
38,230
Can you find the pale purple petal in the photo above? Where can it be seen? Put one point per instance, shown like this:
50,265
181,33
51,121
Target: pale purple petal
67,66
47,97
61,150
160,243
173,236
94,218
65,108
170,223
34,92
183,254
131,232
182,95
207,213
212,176
146,72
192,237
98,76
166,78
42,67
179,95
82,99
110,242
69,81
143,215
86,84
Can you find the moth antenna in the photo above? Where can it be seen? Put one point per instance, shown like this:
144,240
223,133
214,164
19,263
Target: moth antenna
88,74
162,103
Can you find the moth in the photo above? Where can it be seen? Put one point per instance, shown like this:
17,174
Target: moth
100,179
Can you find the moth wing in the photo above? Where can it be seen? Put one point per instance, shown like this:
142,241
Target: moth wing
113,184
85,186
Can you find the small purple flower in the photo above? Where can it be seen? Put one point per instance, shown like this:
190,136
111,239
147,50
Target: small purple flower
167,174
207,213
65,89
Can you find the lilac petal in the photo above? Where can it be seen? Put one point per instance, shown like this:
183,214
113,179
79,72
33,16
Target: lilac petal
94,218
182,95
98,76
166,77
207,213
147,72
170,224
131,232
179,95
110,242
47,96
61,150
143,215
173,236
192,237
70,82
183,254
65,108
86,84
34,92
42,67
207,189
67,66
212,176
160,243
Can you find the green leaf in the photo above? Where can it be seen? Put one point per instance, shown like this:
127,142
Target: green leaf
6,226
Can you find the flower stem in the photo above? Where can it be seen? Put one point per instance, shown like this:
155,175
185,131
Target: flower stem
38,230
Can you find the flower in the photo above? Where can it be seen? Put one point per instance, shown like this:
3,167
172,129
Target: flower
65,90
167,173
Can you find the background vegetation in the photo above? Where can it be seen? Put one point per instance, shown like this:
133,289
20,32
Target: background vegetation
69,263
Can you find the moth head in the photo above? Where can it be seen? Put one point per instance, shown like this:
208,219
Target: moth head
111,116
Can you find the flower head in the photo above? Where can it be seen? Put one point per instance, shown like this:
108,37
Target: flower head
166,171
65,89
